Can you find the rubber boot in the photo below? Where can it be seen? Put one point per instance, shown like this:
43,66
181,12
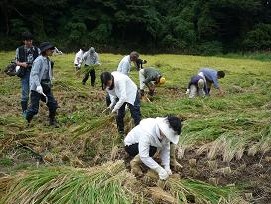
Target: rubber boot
24,107
173,162
135,166
52,120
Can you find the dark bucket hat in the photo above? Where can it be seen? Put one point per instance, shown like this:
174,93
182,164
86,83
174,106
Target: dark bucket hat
46,46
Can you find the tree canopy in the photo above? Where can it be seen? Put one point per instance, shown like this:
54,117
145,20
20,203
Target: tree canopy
179,26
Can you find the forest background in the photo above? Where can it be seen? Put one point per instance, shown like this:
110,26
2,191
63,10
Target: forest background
199,27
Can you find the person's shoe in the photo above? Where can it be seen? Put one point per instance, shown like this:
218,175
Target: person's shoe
28,119
84,83
53,122
24,114
135,166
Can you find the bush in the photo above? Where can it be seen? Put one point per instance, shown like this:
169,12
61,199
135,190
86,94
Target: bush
258,39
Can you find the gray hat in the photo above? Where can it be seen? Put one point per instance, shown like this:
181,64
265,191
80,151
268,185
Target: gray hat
46,46
91,50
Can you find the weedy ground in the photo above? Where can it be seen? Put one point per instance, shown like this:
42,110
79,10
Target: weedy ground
224,147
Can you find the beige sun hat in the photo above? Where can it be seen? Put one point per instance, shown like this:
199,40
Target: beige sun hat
168,131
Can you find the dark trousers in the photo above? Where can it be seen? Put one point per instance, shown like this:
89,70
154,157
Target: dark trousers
135,113
35,98
132,150
92,74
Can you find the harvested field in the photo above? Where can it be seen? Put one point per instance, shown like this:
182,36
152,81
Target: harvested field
225,146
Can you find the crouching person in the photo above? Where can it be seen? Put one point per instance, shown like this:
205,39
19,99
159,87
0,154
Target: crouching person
40,84
150,77
197,86
144,140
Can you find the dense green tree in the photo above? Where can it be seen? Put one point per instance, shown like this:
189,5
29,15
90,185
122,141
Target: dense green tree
200,26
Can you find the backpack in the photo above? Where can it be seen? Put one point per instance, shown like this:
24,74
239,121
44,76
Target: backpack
13,70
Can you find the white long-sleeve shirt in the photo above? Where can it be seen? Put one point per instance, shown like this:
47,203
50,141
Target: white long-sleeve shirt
147,134
124,89
125,65
79,57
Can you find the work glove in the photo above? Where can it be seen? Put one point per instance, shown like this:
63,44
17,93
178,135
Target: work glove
114,111
163,175
187,91
79,65
168,170
39,89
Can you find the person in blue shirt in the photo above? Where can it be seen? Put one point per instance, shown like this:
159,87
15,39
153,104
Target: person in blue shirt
212,77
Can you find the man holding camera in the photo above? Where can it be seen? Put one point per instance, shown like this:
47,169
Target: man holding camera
25,56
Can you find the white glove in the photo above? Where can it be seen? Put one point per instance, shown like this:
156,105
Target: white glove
163,175
114,111
168,170
39,89
187,91
111,106
79,65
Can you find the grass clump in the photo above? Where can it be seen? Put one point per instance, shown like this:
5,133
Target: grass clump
102,184
190,190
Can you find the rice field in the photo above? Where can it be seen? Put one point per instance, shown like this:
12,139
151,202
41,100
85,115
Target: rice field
225,146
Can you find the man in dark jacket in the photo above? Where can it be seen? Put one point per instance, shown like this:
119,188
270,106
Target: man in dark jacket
25,56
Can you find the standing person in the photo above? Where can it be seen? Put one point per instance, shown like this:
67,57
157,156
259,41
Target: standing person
40,84
125,64
144,140
122,87
212,77
91,60
79,58
197,86
25,56
150,77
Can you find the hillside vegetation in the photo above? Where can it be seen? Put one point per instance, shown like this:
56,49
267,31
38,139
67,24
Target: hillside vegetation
225,146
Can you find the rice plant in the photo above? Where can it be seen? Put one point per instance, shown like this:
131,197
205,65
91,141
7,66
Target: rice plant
186,190
103,184
227,145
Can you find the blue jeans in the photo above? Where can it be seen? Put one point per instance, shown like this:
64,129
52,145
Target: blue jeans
135,113
25,90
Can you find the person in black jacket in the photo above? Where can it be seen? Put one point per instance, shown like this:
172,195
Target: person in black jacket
25,56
